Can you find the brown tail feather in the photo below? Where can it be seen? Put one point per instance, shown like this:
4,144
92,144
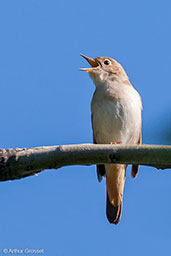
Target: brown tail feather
115,179
113,212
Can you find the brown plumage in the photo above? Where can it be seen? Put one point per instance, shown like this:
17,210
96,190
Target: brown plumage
116,118
135,167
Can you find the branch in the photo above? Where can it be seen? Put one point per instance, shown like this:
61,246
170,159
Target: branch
18,163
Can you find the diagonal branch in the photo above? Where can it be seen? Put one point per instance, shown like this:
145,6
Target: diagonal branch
18,163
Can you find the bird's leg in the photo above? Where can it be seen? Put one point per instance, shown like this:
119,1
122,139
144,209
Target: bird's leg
119,142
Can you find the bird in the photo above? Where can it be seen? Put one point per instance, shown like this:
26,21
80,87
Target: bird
116,116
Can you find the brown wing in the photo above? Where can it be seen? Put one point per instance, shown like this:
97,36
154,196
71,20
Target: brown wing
100,167
135,167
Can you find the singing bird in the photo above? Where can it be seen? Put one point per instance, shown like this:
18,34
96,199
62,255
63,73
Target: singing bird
116,119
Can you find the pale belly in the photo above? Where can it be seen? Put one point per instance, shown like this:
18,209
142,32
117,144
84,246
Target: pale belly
116,120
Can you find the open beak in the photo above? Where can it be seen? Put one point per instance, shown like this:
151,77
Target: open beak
91,61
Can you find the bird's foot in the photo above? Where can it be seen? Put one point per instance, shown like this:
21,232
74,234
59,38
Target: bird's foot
119,142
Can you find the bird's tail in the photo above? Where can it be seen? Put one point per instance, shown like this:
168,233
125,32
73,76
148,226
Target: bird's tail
115,180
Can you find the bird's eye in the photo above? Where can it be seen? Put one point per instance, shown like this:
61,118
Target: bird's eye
107,62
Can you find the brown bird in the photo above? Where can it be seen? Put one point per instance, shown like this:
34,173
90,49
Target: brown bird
116,118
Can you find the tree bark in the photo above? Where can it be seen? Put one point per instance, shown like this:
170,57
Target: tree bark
18,163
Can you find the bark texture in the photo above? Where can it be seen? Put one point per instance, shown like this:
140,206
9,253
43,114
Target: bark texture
21,162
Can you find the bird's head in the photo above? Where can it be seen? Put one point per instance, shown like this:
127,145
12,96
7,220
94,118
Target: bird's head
104,69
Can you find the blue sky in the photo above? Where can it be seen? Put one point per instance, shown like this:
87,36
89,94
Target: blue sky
45,100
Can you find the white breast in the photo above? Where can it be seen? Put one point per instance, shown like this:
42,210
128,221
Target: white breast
116,114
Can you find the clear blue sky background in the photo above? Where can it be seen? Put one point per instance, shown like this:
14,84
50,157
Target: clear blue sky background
45,100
